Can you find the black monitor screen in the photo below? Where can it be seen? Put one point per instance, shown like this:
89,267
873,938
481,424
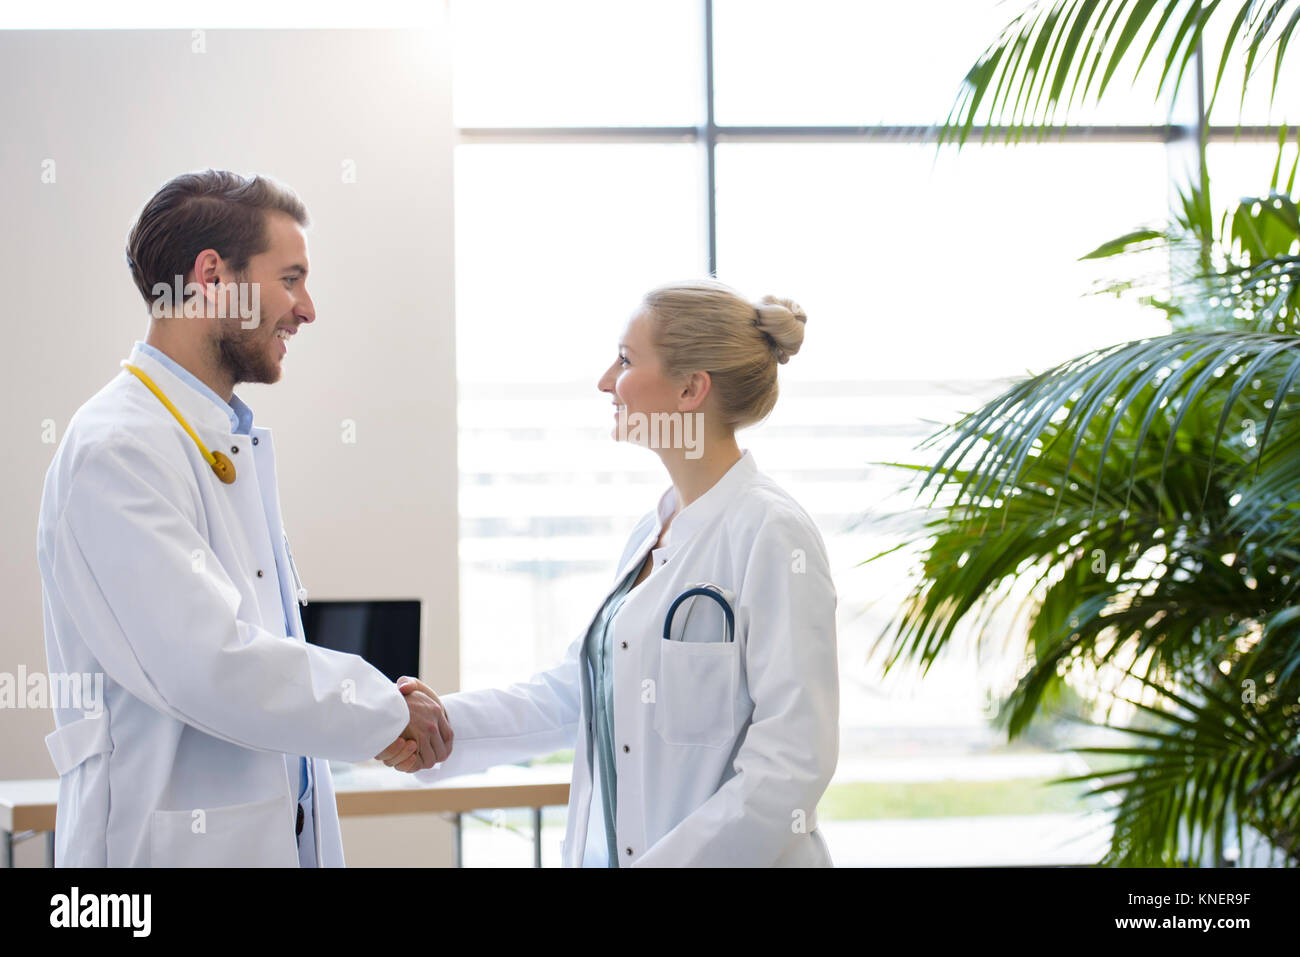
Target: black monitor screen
385,633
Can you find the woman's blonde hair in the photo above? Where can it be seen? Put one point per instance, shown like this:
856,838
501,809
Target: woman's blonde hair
705,326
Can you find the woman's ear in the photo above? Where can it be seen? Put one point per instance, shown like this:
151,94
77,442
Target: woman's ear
694,392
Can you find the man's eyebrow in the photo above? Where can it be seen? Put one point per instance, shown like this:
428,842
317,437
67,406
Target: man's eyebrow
296,267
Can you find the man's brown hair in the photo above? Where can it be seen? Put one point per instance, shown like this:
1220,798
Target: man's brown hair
214,209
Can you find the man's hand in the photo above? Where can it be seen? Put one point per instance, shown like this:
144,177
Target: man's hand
424,696
398,752
428,738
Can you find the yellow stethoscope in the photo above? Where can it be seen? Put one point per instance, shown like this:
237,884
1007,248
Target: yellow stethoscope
222,466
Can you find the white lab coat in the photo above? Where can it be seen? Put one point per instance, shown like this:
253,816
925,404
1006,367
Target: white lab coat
723,750
150,567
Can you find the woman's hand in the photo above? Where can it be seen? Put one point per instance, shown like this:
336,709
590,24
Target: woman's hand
406,759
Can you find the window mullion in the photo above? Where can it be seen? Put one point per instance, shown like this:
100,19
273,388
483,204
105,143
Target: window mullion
710,144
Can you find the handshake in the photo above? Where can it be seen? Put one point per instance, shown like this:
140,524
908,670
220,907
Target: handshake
427,739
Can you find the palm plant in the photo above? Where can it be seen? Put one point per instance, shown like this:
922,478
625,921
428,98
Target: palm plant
1143,500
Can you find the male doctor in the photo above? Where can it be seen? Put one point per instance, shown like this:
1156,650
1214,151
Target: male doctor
166,568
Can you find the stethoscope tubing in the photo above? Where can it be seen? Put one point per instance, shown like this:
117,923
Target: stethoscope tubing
710,593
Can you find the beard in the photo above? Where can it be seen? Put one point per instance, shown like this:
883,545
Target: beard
243,354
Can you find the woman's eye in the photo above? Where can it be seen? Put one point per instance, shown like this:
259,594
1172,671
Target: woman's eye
622,360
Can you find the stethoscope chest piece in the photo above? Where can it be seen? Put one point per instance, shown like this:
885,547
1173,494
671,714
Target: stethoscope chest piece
223,467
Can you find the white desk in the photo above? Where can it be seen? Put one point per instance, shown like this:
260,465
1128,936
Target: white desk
27,808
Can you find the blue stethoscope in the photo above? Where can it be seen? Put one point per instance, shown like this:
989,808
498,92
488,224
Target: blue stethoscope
705,590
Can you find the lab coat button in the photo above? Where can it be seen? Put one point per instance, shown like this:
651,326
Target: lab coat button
254,440
235,449
626,749
629,852
259,573
625,644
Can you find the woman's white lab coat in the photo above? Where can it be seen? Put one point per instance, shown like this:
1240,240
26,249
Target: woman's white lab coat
164,579
722,749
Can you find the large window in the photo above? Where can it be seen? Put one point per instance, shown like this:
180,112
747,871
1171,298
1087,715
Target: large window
787,148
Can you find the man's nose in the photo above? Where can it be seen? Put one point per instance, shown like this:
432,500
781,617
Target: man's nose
306,310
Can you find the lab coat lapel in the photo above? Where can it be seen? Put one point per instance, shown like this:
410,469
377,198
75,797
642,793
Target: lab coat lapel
638,554
575,837
199,411
667,503
264,458
702,512
575,840
331,854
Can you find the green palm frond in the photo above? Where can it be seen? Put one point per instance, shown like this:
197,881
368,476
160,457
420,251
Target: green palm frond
1098,396
1137,508
1267,514
1116,497
1241,272
1208,763
1057,53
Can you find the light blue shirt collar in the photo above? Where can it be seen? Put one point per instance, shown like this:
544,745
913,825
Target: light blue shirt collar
241,416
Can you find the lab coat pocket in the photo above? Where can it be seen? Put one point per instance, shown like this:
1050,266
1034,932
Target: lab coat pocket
696,692
260,834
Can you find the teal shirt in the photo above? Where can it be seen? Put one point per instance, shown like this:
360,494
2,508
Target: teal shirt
600,671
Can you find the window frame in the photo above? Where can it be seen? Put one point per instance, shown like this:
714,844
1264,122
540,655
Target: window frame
709,134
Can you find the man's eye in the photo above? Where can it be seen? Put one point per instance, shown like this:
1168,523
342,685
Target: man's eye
291,279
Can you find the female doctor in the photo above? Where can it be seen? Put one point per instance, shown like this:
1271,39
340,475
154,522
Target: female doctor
691,749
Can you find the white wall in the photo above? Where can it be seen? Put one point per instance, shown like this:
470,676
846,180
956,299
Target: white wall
121,112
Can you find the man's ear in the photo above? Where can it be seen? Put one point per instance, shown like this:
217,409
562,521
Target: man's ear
207,273
694,392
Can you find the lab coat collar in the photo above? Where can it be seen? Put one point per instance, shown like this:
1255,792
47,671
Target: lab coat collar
199,409
701,512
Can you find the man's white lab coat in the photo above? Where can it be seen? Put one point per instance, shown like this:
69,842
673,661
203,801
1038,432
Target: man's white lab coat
162,578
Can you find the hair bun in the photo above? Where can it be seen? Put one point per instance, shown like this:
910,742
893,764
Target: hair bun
782,322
